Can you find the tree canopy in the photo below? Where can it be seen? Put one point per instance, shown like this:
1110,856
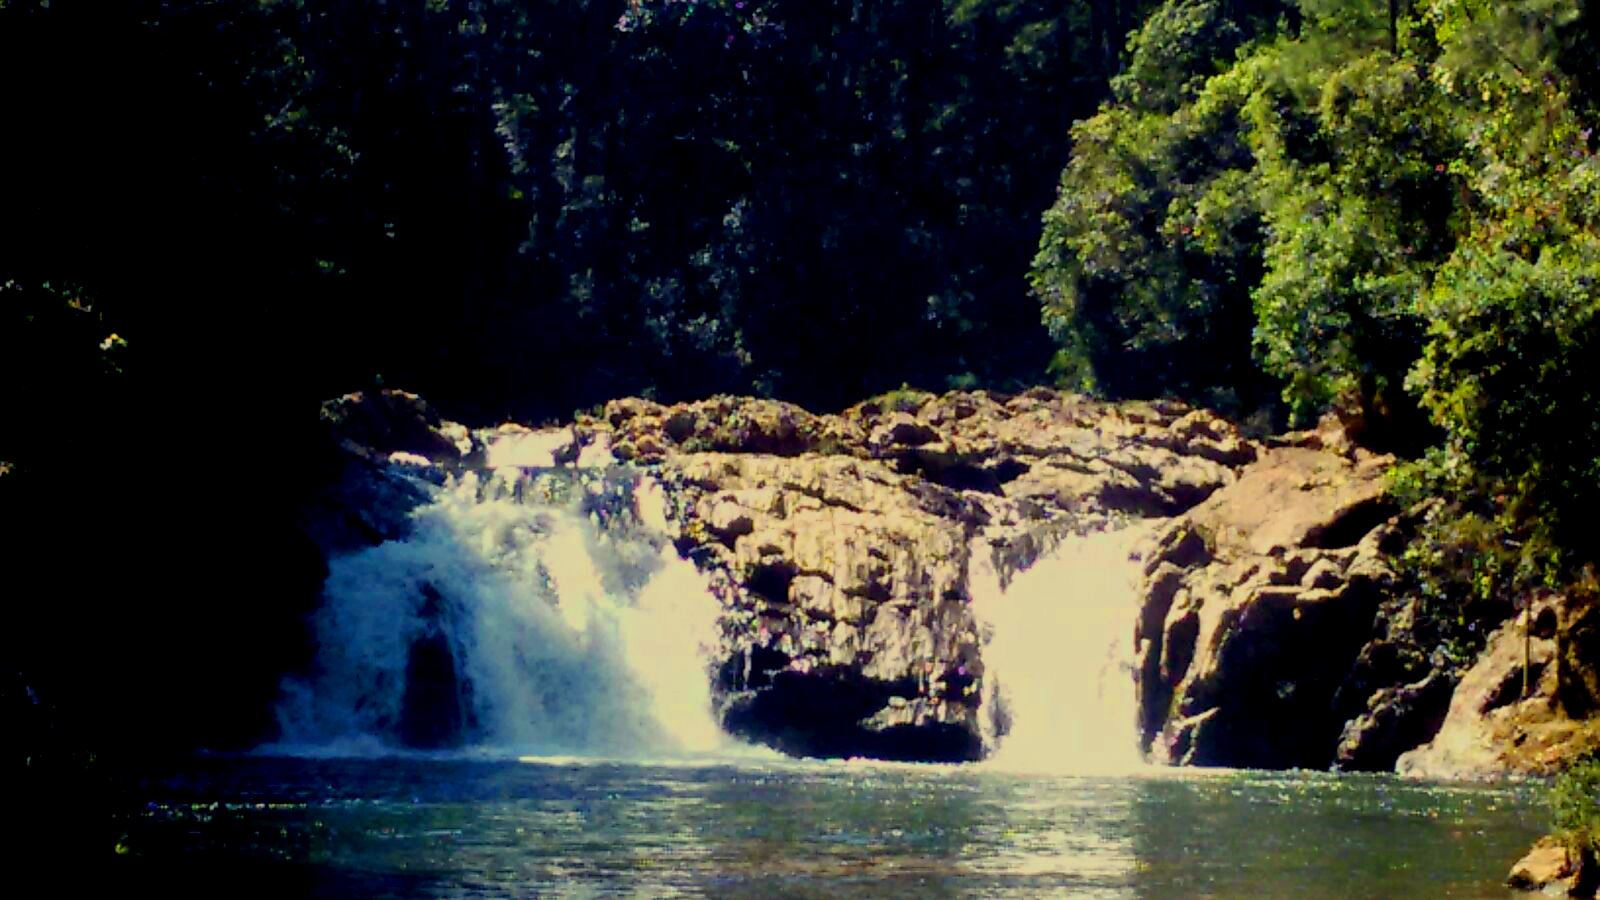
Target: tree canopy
1387,211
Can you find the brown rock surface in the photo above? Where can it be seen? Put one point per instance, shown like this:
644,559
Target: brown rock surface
1257,602
1493,728
843,544
1547,864
380,445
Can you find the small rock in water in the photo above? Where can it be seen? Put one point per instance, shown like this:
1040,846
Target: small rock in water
1547,864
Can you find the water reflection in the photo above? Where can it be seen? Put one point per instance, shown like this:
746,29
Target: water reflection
1037,834
459,828
1324,836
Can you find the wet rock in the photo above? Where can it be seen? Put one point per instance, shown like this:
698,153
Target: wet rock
374,424
846,543
1506,715
432,711
1548,865
431,716
903,430
1397,720
1578,656
841,546
382,452
1256,604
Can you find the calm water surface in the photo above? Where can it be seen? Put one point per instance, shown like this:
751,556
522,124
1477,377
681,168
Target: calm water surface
468,828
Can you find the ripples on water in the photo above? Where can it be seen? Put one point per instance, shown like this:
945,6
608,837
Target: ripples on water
465,828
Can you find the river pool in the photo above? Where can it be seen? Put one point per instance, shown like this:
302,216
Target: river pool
469,827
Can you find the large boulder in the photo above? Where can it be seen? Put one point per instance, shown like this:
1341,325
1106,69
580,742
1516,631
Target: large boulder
380,450
1551,867
1257,603
1507,714
842,547
843,544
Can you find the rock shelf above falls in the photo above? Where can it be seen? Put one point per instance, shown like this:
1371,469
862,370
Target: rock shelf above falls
842,547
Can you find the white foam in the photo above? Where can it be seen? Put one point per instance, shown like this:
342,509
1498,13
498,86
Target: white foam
569,636
527,449
1059,661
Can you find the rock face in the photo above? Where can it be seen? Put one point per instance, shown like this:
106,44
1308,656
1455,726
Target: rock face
842,545
1547,863
367,487
1257,605
1271,632
1551,868
1521,707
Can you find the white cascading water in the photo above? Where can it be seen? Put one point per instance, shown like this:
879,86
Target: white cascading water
1058,664
544,605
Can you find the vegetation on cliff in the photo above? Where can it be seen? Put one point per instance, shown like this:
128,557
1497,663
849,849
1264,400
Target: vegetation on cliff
1388,211
1575,803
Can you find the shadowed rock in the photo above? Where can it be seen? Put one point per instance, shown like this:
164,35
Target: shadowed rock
842,545
1256,604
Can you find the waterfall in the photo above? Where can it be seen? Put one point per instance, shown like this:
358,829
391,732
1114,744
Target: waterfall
533,609
1059,693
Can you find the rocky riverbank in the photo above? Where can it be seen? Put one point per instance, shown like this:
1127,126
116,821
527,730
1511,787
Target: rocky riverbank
1273,630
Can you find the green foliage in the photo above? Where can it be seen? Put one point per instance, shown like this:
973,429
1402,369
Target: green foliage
1148,251
1461,567
1358,209
1297,196
1575,806
522,208
1511,373
1178,47
905,399
1389,210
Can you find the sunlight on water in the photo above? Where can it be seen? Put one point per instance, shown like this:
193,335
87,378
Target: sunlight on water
1060,683
443,828
529,612
531,449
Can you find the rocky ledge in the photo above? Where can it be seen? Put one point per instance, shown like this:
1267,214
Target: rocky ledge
1528,704
1257,605
840,545
1552,868
1271,634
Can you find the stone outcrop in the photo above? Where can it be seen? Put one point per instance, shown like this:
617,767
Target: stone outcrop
1550,867
1257,604
1524,706
378,445
842,547
843,544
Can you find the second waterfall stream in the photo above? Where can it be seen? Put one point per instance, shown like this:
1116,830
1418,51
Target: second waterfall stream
1059,694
